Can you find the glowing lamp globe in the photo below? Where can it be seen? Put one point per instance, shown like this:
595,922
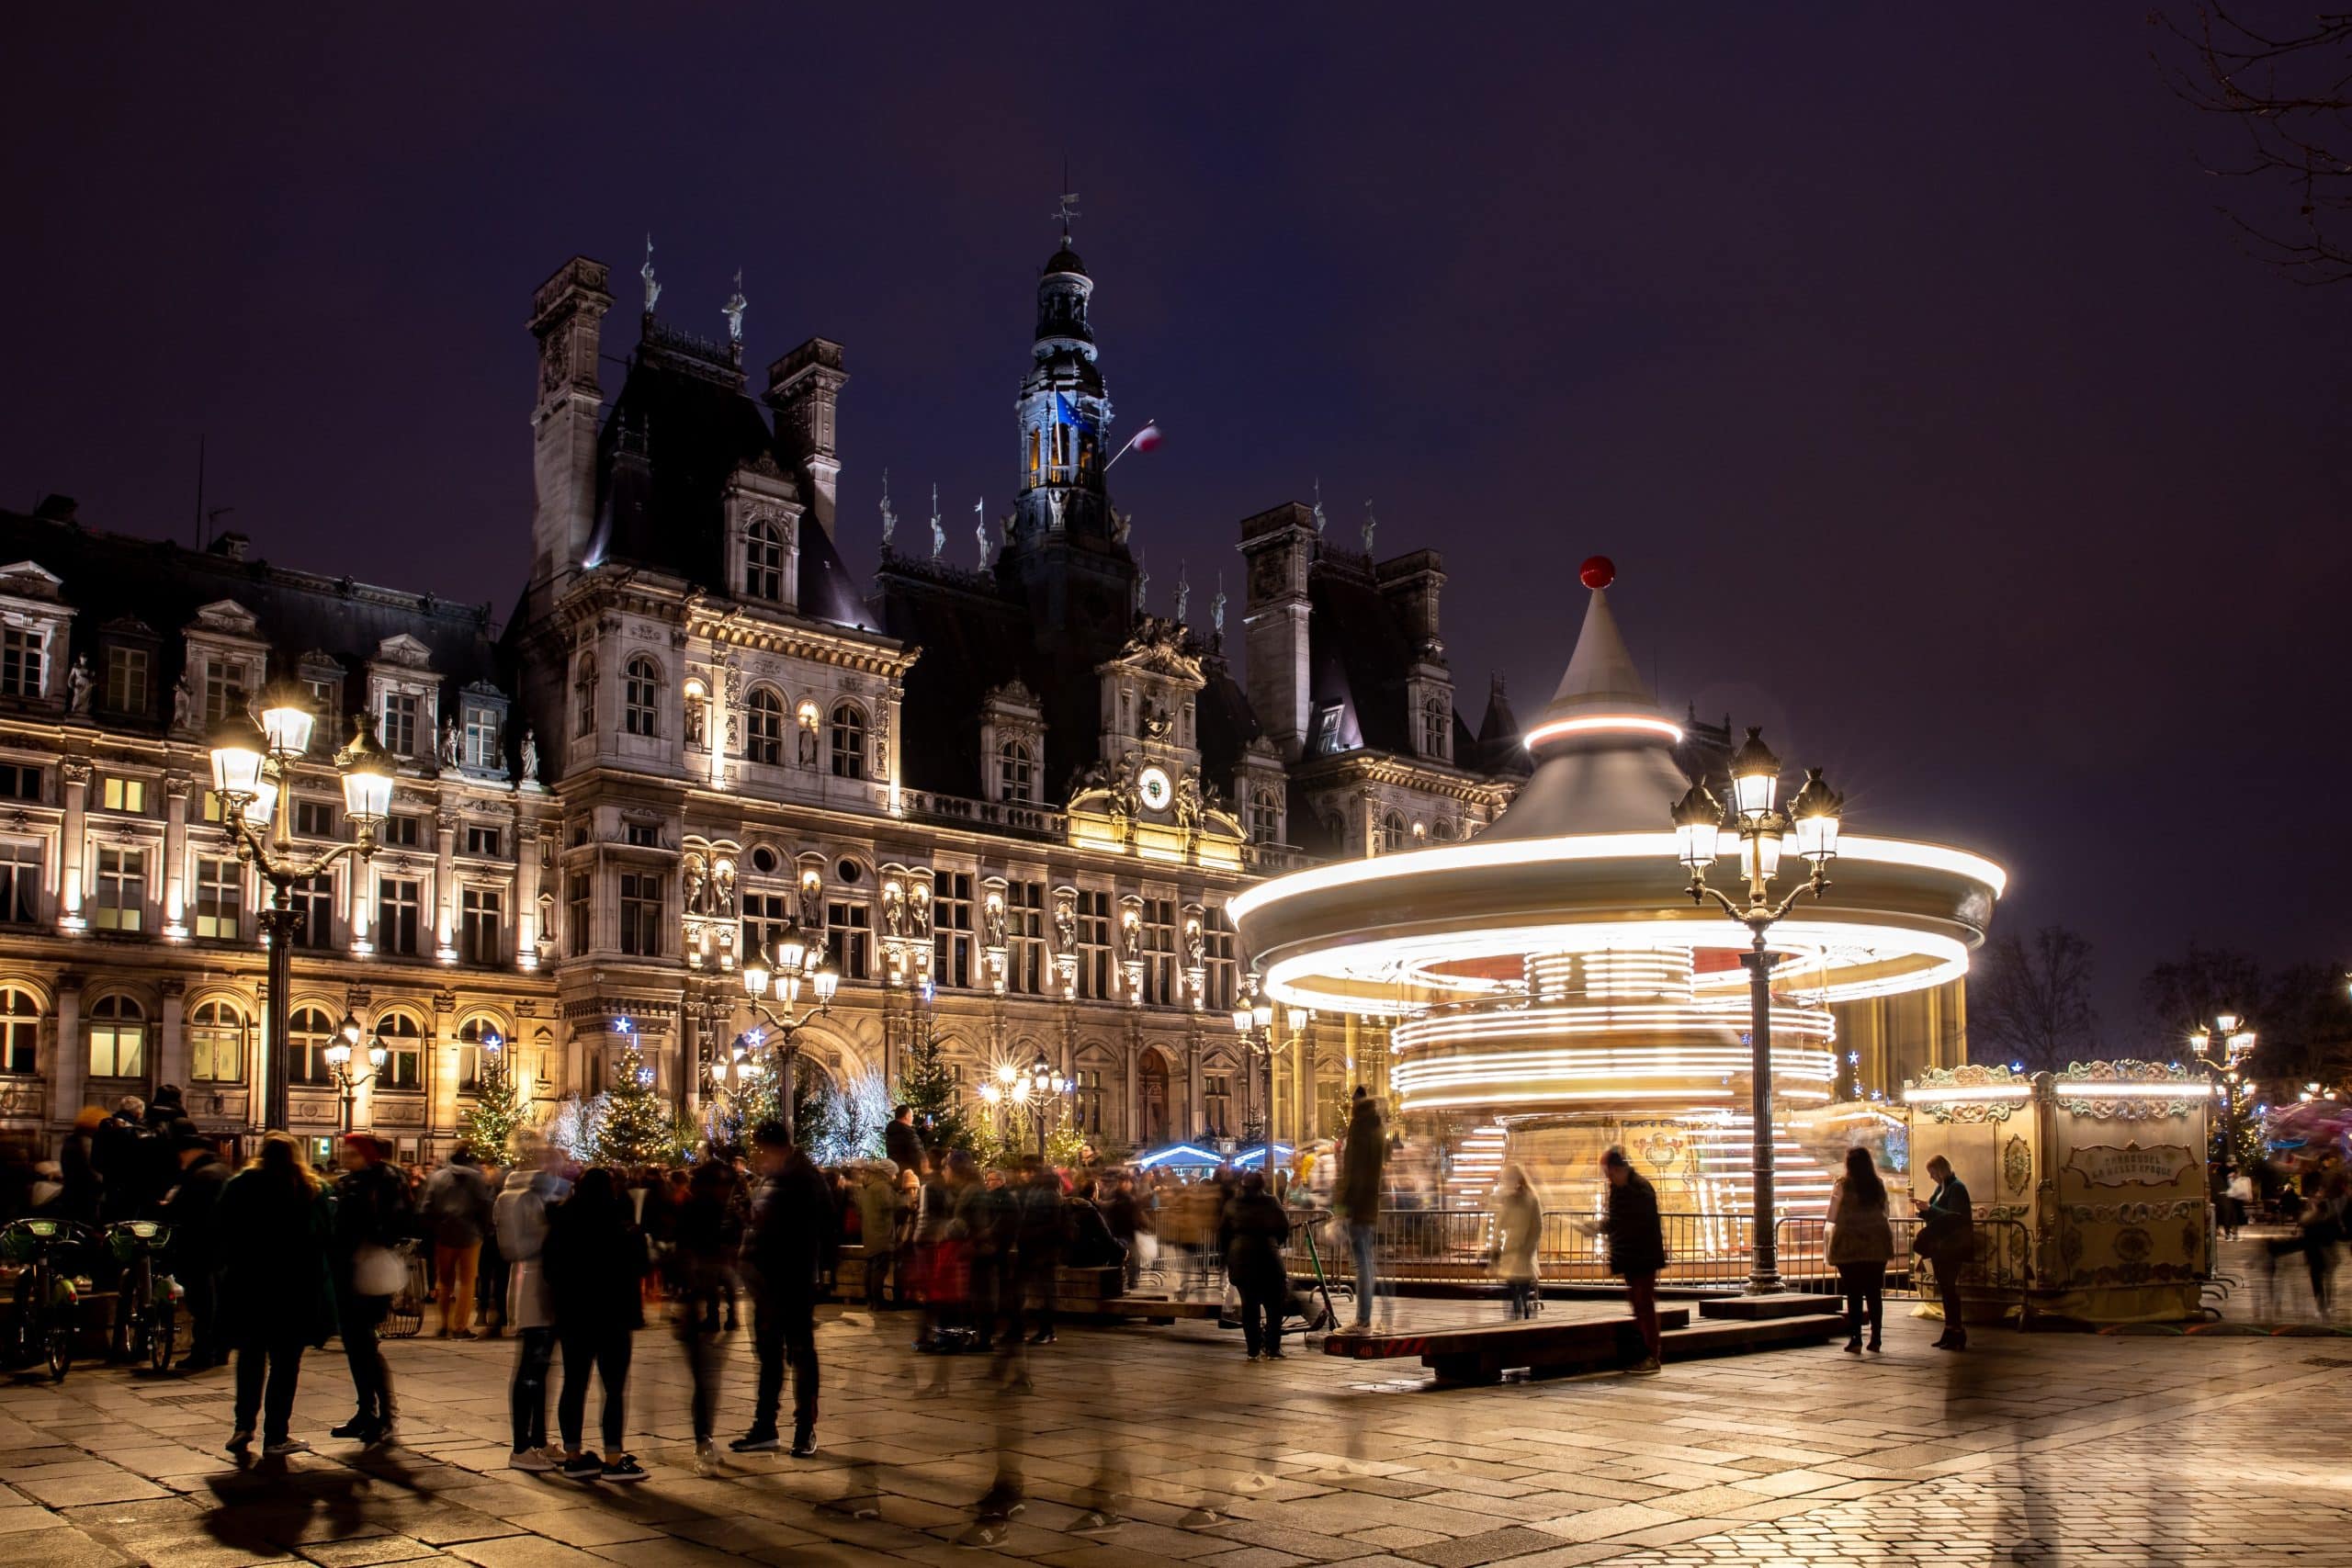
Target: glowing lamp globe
286,718
239,750
1816,811
1755,775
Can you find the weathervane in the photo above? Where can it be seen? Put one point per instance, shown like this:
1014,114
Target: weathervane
734,308
1067,208
652,289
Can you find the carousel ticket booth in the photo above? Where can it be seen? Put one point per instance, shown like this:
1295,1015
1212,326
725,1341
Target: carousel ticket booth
2093,1176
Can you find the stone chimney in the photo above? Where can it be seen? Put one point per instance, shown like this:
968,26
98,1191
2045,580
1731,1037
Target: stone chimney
567,317
1279,546
805,389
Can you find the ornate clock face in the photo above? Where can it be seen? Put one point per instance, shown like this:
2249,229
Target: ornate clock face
1153,785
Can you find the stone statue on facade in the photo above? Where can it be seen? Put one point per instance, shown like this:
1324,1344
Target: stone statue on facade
448,748
812,908
1216,607
807,745
530,756
697,710
1143,582
1187,805
1196,947
652,289
1320,521
1054,502
889,518
992,923
690,873
919,909
980,529
1184,593
1370,527
894,909
79,684
722,889
1064,926
1122,525
938,533
183,704
733,310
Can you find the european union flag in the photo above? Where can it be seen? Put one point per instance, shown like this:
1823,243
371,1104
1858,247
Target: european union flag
1064,413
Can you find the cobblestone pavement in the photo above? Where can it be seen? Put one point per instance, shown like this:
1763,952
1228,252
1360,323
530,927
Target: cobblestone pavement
2038,1449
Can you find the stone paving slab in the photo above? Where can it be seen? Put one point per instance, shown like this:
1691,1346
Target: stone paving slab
2040,1450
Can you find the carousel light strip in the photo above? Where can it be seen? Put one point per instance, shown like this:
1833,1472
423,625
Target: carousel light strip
1589,846
1968,1094
1603,724
1818,1066
1546,1020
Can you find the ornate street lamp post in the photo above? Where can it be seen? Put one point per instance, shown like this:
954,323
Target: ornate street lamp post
253,771
1036,1091
2222,1048
795,962
1254,1022
338,1056
1760,824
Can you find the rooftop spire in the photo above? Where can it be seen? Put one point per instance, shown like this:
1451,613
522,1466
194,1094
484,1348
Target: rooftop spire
1602,693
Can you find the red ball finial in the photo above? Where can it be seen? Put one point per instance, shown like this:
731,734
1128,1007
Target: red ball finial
1598,572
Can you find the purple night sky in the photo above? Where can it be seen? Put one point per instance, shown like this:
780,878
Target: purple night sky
1900,358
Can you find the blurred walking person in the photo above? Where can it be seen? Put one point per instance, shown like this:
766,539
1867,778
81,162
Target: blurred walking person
1518,1227
594,1260
1252,1234
520,1218
1946,1239
456,1206
1362,1160
275,1227
703,1239
192,1211
371,1218
1860,1241
1636,1248
787,1245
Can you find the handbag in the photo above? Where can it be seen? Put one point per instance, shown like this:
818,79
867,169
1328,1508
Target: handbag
377,1271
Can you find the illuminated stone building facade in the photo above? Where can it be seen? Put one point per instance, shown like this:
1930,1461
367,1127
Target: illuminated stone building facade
1013,801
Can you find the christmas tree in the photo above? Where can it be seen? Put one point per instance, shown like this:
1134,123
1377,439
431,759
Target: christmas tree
637,1121
927,1083
497,1114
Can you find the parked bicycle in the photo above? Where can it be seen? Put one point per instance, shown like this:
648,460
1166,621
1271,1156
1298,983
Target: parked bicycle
48,1307
146,1302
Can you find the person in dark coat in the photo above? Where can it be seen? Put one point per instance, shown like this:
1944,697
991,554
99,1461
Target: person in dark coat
787,1245
596,1261
902,1143
1948,1240
372,1210
702,1245
1636,1248
77,1167
190,1212
276,1228
1362,1159
1860,1241
1252,1235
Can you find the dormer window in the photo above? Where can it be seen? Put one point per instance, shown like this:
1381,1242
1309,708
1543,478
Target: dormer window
224,688
764,562
127,680
1326,731
1437,727
585,690
482,737
640,697
24,661
399,730
1016,772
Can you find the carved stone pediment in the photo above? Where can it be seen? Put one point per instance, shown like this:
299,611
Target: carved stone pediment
402,648
226,617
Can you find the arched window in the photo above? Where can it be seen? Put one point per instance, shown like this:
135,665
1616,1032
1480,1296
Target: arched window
1265,817
403,1043
216,1042
1392,833
764,727
307,1034
1016,772
849,741
118,1038
1437,728
1443,830
762,562
1035,448
478,1041
640,697
19,1031
535,1072
586,687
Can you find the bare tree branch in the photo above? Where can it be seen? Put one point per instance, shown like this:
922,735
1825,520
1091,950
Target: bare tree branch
2029,1000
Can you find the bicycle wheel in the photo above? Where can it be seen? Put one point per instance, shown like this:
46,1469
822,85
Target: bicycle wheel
122,1338
61,1350
161,1336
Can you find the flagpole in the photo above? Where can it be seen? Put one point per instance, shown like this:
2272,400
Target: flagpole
1122,452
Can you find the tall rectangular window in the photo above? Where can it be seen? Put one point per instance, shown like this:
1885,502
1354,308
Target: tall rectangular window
951,927
1157,946
401,832
224,689
766,915
399,723
400,907
1025,971
1217,1104
641,914
19,782
123,794
481,738
23,662
484,840
1089,1098
121,900
577,908
127,680
849,937
1218,956
313,904
1094,946
480,927
21,865
219,898
314,819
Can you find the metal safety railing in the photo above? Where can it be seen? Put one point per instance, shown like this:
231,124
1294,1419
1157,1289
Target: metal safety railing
1457,1246
2001,1265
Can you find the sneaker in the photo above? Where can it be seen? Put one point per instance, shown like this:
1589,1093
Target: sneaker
587,1467
358,1426
1646,1367
705,1457
536,1461
1256,1356
284,1445
624,1467
241,1443
758,1440
804,1443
